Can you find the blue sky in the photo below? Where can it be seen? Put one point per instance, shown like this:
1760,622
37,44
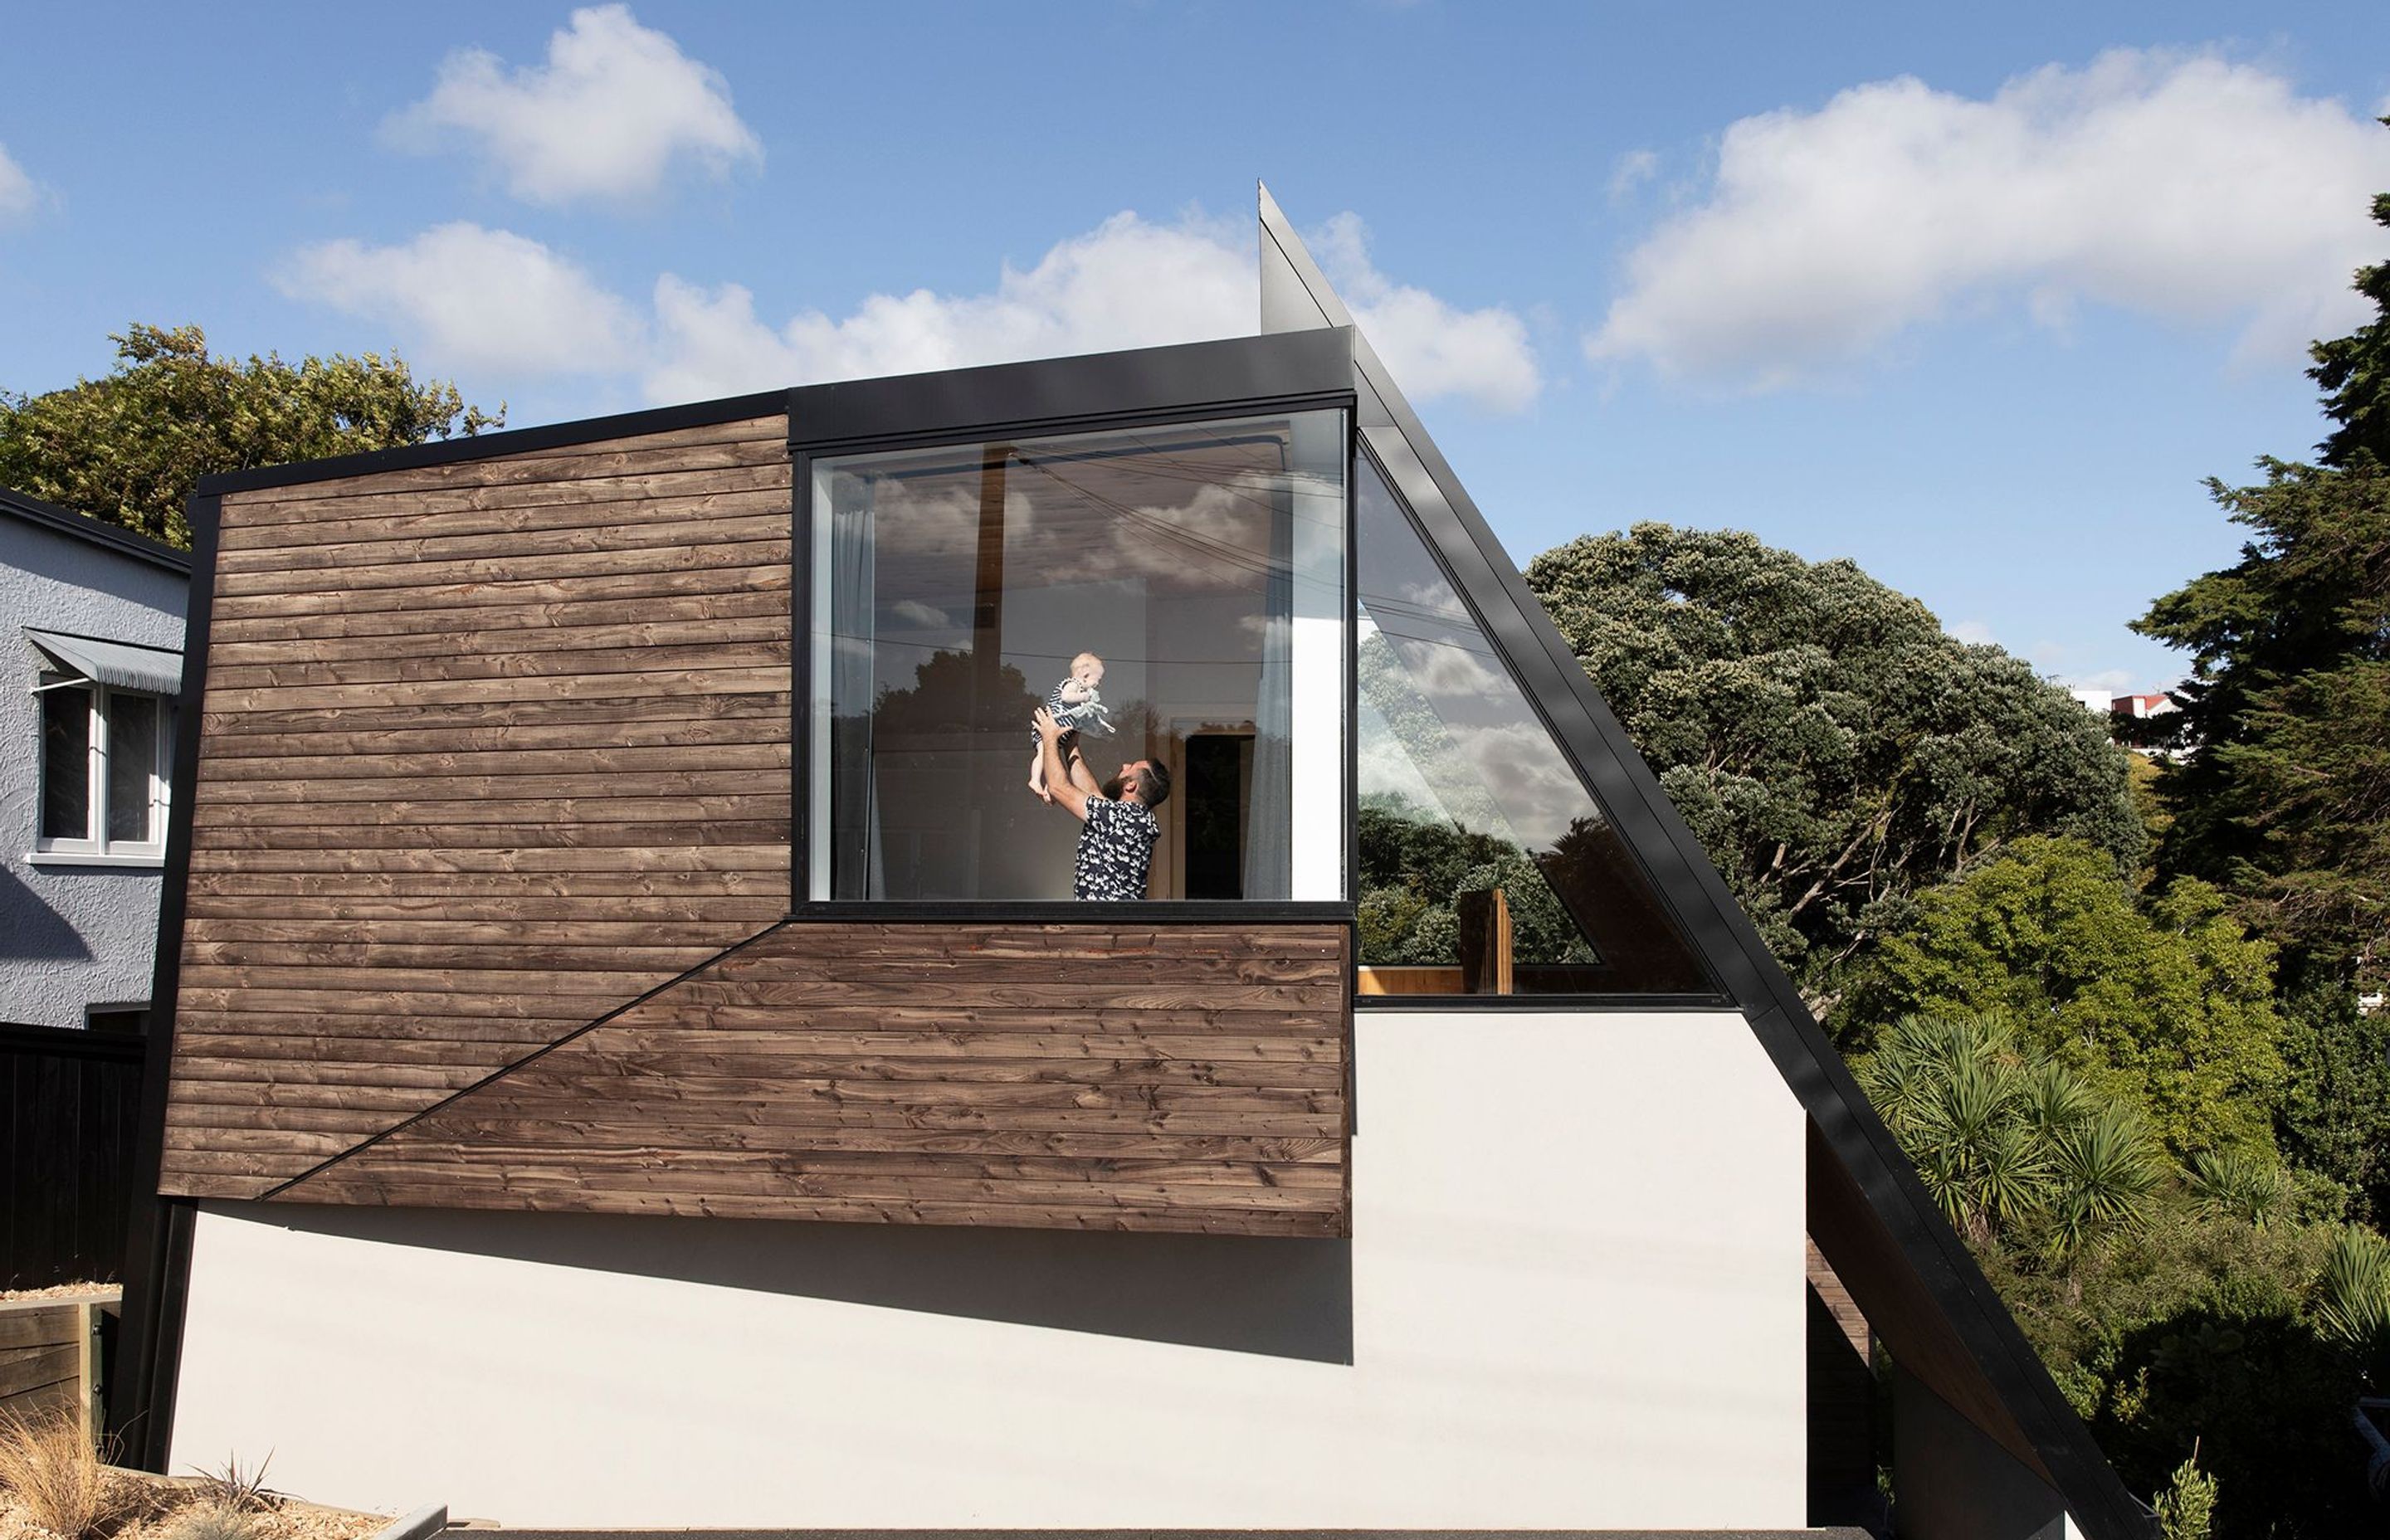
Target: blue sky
1976,297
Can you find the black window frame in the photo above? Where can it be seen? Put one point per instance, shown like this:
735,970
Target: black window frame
1150,387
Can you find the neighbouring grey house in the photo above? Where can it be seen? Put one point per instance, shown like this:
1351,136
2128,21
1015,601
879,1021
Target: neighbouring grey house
93,659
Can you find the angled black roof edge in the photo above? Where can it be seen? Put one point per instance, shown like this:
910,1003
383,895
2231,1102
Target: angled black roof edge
1173,378
92,532
1730,942
511,441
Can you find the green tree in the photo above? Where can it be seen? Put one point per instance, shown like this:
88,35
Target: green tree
128,448
2164,1002
2284,798
2335,1117
1835,751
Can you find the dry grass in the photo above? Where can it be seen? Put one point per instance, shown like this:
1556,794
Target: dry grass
50,1468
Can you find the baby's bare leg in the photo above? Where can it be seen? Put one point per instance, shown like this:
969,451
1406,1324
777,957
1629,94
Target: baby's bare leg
1037,775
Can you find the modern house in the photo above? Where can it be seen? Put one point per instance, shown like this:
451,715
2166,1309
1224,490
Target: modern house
94,650
633,1059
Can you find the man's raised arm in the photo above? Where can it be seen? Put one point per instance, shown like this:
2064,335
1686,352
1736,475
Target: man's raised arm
1057,779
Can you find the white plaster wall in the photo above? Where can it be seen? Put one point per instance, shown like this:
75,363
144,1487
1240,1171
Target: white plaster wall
69,935
1575,1302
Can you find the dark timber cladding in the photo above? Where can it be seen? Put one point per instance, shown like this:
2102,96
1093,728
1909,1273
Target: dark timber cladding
489,747
1086,1075
489,898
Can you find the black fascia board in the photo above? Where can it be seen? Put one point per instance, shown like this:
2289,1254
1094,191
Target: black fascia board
1184,379
512,441
92,532
1603,752
158,1240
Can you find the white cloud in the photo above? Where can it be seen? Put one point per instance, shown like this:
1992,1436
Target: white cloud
2110,682
490,299
17,193
1630,171
1432,347
467,298
2182,187
608,115
1973,633
1125,283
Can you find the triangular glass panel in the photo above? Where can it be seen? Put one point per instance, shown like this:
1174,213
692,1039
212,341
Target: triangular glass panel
1465,794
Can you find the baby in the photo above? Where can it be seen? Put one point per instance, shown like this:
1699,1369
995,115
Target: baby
1077,707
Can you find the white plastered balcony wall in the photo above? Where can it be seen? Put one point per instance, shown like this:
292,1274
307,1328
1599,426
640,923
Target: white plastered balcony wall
1575,1303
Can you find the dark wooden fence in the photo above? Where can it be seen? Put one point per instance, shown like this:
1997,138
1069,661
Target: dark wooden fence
70,1104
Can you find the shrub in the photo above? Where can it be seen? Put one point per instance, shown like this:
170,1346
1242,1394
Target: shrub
211,1522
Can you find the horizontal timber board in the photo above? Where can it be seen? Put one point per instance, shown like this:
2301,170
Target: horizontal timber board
498,1133
632,1171
489,619
642,659
317,771
450,1194
469,957
574,934
390,584
627,483
372,1022
749,717
498,1100
772,679
196,1066
556,983
770,626
540,1160
39,1326
591,807
760,441
538,1006
193,1046
496,836
705,786
22,1373
692,1073
342,525
711,1090
382,547
473,899
532,590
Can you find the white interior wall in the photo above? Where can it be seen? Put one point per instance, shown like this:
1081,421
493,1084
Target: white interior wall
1575,1300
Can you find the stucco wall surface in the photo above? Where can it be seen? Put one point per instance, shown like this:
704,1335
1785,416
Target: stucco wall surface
1574,1298
69,935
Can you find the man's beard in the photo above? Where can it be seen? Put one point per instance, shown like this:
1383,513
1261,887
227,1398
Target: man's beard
1112,788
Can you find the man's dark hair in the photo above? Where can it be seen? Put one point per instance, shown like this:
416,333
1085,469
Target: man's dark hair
1153,784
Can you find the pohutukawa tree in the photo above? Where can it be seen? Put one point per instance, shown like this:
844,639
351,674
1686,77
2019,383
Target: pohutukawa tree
1834,748
129,447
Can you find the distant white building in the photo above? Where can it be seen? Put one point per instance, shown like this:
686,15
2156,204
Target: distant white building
92,660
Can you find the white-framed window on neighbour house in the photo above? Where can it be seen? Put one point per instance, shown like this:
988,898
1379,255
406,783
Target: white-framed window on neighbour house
105,772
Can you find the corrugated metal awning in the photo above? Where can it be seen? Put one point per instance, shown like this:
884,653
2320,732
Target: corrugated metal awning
120,665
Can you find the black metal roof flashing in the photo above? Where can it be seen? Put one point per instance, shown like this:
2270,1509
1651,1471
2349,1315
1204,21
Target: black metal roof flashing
512,441
94,532
1869,1213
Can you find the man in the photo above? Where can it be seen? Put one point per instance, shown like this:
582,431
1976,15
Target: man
1116,846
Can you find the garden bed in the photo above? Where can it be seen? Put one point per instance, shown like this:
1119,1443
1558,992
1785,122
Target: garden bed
53,1488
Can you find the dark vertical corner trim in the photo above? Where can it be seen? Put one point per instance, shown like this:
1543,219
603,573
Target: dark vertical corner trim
158,1242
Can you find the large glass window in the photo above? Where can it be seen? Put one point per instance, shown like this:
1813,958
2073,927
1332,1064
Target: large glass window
104,772
1198,566
1486,863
